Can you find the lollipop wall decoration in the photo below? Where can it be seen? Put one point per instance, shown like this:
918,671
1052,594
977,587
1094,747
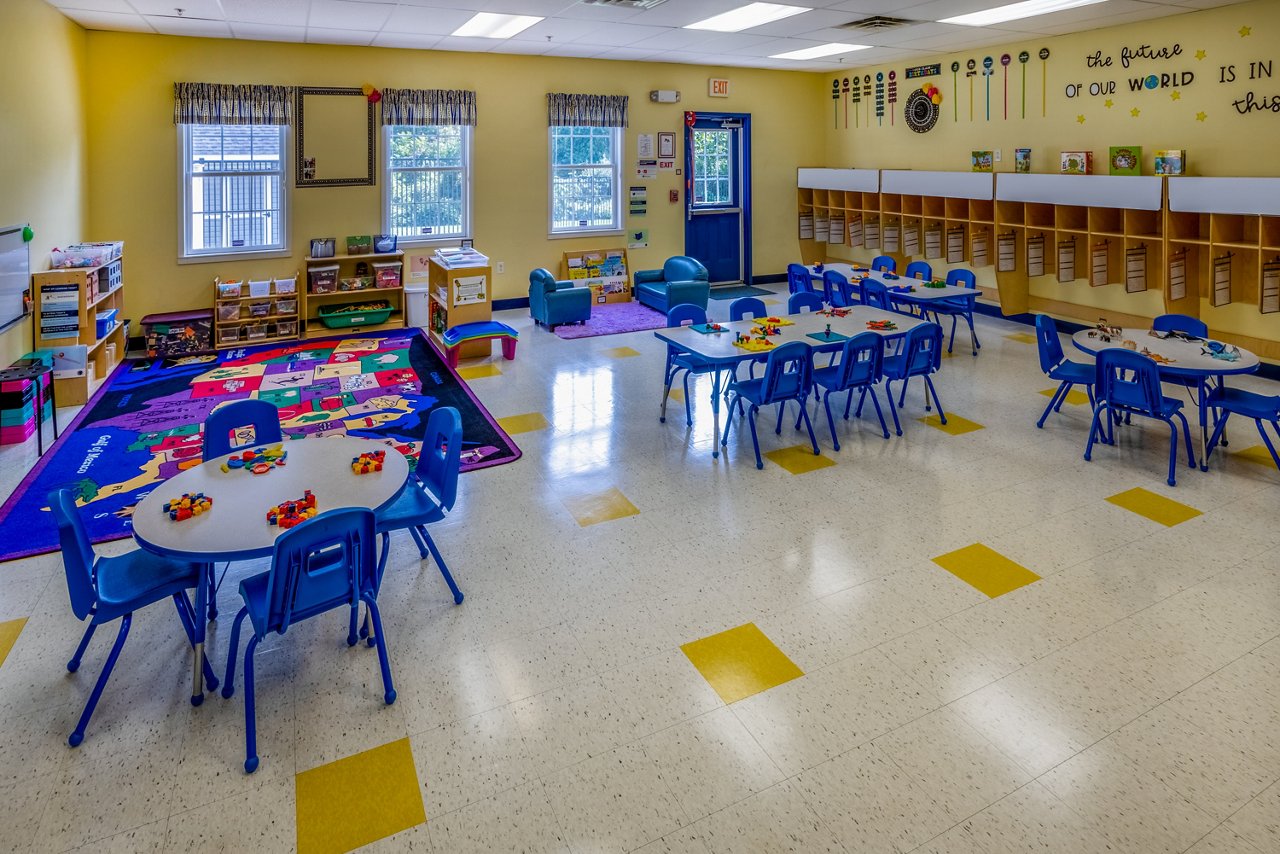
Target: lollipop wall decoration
1022,60
855,94
955,91
844,92
893,94
835,103
987,63
880,98
1005,59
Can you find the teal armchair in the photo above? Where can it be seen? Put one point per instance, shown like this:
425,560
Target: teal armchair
552,303
681,281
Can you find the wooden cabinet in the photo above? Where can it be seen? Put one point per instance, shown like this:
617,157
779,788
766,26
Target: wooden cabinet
68,302
242,319
313,300
459,295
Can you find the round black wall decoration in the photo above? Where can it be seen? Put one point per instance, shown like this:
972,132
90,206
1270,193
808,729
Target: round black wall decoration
921,112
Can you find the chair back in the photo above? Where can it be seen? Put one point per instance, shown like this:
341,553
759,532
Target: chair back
682,268
1181,323
326,562
747,307
884,264
875,294
798,279
836,289
788,373
1129,379
962,278
920,270
440,457
802,302
861,361
77,553
684,313
922,352
262,416
542,280
1048,343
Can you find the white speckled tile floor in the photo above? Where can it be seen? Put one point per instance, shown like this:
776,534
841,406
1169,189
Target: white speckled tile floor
1127,700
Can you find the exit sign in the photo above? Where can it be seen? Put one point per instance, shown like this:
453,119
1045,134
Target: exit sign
718,87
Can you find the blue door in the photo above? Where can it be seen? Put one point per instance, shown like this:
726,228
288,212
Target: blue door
718,194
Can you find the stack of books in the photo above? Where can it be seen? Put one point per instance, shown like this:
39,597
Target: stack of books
456,257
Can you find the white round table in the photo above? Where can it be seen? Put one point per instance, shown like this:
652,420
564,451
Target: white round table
236,527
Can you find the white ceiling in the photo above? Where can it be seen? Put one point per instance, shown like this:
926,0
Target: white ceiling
573,28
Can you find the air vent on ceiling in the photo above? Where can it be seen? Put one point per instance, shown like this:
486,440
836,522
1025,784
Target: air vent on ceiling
624,4
876,23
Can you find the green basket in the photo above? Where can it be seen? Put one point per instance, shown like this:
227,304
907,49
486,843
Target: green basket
346,315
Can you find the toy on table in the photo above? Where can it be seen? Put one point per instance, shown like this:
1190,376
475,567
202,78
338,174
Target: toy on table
817,268
290,513
902,289
258,460
746,342
708,328
882,325
1157,358
934,284
834,312
1218,350
772,320
889,277
369,461
190,504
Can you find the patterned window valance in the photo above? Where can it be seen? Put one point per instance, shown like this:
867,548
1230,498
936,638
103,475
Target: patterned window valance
601,111
231,104
428,107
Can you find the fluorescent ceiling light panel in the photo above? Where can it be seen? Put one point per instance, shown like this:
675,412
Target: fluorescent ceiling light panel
820,51
490,25
1016,11
746,17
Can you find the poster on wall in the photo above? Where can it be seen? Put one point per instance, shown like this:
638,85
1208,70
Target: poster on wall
892,237
978,249
1035,255
911,240
806,226
1067,260
821,228
955,245
837,230
871,234
1178,275
1135,269
1270,301
1098,267
855,231
1222,280
1006,253
933,243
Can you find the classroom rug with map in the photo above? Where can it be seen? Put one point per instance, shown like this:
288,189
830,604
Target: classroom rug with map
143,426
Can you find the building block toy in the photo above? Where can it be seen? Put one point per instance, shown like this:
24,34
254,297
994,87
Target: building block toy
290,513
367,462
257,461
479,331
181,509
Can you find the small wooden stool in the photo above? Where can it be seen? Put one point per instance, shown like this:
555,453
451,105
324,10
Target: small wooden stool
480,331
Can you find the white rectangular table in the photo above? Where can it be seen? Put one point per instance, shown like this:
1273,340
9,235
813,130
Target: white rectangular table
718,348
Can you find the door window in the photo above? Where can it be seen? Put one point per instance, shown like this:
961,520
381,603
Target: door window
713,168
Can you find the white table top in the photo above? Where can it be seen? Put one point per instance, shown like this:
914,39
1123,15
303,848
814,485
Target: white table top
920,293
236,527
1187,356
719,347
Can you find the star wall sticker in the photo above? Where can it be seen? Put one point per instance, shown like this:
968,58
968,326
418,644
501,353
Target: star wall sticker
1245,31
1201,54
1201,116
1080,119
1135,112
1108,103
1175,95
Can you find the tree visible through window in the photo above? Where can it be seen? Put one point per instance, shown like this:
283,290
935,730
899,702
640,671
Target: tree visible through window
712,167
428,180
233,183
585,179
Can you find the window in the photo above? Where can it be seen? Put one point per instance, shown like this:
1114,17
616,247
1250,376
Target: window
712,168
586,179
428,188
233,189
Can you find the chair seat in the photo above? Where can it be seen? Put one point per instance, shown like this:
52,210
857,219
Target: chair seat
1247,403
1074,372
254,592
950,306
753,390
415,506
690,362
1168,405
829,377
130,581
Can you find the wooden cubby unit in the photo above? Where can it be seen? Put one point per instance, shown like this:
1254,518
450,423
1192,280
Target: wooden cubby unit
66,303
309,303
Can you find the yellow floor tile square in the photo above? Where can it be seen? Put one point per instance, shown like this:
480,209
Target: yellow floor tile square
1075,398
798,459
740,662
594,507
1154,506
677,394
9,632
526,423
956,425
1257,454
773,302
985,569
621,352
359,799
1022,337
475,372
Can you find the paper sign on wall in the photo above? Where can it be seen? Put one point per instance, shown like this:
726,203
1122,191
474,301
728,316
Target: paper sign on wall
666,166
646,169
645,146
718,87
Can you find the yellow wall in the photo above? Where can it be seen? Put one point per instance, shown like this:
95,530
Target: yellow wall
42,136
1198,117
135,189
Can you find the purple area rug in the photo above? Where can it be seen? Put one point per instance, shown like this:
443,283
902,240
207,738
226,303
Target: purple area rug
613,317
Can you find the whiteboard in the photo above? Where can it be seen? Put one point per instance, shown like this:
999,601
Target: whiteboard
15,274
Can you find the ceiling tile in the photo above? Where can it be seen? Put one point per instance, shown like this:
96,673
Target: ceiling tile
290,13
348,15
173,26
466,43
324,35
268,32
109,21
419,19
190,8
625,35
413,41
560,30
121,6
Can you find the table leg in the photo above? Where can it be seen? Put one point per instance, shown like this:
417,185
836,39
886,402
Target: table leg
1203,393
197,671
39,381
715,412
53,400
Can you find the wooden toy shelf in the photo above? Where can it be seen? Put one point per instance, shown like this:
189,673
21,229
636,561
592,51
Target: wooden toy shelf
311,302
71,298
236,324
459,295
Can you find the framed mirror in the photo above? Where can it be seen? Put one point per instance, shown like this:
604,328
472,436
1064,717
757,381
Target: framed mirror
335,138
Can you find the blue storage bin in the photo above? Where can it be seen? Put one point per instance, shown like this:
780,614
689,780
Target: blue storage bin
105,320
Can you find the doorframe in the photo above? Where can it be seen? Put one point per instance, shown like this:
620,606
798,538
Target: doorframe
744,178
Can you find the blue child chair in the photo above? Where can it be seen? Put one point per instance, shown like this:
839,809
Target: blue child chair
885,264
232,418
430,493
876,294
1058,367
958,307
1128,383
920,270
1183,323
920,356
746,308
1226,402
787,376
861,366
799,280
680,360
324,563
837,288
112,588
801,302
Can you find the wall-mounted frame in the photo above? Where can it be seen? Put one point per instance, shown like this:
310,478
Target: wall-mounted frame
666,146
334,139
